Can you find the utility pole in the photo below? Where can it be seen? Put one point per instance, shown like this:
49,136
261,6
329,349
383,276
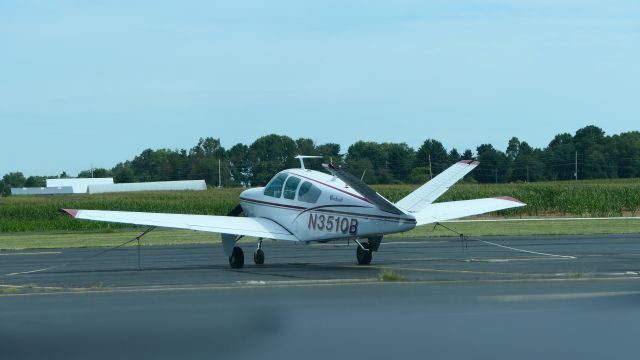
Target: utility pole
92,171
496,171
219,175
575,173
430,172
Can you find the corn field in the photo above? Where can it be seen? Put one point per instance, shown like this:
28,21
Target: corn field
568,198
597,198
40,213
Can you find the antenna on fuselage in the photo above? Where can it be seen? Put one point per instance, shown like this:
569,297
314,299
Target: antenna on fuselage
302,157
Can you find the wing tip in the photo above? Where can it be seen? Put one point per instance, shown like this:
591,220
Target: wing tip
509,198
71,212
469,162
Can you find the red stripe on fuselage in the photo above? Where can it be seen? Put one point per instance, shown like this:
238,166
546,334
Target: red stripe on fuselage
274,204
318,209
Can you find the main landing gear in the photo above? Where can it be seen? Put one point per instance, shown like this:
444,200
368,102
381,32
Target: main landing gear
236,260
364,253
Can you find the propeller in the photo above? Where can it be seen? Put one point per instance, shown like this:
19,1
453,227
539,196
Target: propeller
236,211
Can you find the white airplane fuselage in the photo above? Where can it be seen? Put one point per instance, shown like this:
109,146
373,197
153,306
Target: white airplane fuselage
315,206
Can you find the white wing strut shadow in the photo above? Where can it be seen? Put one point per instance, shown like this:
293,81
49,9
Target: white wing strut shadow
307,205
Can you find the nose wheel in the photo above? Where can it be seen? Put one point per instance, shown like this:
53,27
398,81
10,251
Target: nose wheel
363,254
258,256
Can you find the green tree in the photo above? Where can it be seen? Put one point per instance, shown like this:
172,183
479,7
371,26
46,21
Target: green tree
95,173
560,158
207,161
627,150
5,190
123,173
527,164
454,156
439,157
364,169
513,148
271,154
208,148
419,175
399,162
591,144
14,179
240,165
467,155
35,181
494,165
306,146
376,161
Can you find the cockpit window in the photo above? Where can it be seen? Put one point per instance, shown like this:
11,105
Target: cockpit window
290,187
308,192
274,187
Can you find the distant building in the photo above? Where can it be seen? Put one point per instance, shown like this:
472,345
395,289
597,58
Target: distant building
148,186
79,185
60,190
106,185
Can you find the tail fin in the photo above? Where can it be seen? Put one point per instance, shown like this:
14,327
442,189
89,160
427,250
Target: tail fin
429,192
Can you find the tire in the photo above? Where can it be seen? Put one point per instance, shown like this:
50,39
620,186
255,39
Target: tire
258,257
236,260
364,256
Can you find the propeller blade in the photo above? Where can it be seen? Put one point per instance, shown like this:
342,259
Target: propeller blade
236,211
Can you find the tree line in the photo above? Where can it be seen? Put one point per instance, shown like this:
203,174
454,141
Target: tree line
588,154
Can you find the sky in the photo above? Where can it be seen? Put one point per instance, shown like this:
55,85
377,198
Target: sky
87,83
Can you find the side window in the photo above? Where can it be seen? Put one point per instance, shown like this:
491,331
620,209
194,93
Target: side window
274,187
290,187
308,192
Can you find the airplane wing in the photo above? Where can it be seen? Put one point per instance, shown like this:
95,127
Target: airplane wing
429,192
457,209
247,226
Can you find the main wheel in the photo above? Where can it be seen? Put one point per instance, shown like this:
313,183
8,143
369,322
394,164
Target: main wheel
364,256
258,257
236,260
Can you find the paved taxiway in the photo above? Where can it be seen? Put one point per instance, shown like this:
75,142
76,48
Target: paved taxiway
312,302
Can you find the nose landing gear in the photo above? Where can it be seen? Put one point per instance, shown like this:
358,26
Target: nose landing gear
258,256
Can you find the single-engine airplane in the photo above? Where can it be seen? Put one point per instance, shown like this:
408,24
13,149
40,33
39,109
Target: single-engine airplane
311,206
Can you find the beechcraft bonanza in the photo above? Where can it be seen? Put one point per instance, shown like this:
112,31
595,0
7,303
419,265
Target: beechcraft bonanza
304,205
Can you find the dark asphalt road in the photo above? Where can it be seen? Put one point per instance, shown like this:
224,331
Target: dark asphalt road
313,302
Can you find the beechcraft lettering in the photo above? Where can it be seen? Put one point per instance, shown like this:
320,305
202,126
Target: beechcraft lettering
294,206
